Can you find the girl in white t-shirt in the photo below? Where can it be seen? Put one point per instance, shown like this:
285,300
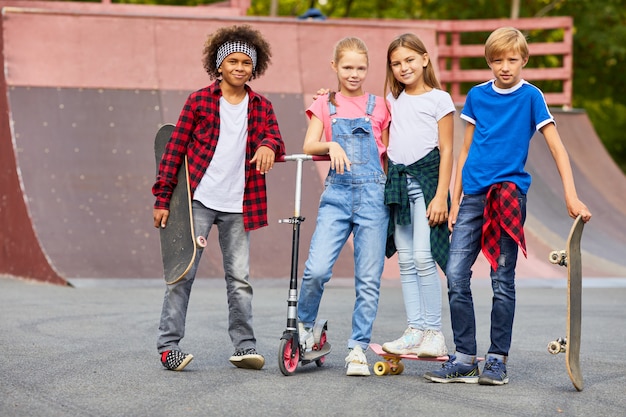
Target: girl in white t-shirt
417,190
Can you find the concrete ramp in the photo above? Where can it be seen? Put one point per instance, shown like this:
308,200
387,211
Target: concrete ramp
86,88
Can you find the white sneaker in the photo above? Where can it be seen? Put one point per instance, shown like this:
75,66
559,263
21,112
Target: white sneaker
433,345
357,363
307,340
406,344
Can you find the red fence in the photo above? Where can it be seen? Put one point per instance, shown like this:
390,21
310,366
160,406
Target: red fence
452,51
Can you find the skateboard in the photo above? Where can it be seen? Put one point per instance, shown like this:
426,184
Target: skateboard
178,242
570,344
392,363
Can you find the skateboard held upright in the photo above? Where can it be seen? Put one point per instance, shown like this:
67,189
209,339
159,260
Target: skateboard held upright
571,258
178,245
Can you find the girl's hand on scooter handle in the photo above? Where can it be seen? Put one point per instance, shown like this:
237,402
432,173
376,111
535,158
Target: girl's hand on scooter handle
338,159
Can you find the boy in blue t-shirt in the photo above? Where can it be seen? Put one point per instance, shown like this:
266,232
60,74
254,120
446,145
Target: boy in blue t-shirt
502,115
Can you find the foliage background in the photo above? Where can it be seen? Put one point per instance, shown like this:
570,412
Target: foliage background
599,84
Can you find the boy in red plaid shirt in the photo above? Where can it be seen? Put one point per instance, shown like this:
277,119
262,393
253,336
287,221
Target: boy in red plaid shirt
502,116
231,138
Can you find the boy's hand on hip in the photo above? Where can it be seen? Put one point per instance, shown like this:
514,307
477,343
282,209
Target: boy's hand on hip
160,217
264,159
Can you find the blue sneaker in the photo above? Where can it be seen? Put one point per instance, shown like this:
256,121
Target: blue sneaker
453,371
494,373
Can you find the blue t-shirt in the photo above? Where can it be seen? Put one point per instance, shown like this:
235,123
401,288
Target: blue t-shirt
505,120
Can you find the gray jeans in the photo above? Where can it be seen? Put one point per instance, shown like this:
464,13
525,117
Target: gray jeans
235,245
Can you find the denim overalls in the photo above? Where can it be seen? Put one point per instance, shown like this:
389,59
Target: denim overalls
352,202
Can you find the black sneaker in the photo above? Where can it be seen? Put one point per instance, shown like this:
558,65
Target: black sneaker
247,359
175,360
494,373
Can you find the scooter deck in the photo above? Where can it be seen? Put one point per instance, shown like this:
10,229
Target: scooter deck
313,355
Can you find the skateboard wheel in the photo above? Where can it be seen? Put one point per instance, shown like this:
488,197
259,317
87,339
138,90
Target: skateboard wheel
558,257
554,347
381,368
397,369
557,346
554,257
201,241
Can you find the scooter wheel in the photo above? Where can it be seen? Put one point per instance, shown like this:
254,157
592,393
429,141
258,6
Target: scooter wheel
319,362
288,358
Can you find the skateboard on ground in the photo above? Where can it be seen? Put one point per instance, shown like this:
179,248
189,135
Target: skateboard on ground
392,363
571,258
178,242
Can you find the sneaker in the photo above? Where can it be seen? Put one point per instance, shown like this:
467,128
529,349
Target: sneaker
356,362
175,360
494,373
433,345
405,344
453,371
247,359
305,334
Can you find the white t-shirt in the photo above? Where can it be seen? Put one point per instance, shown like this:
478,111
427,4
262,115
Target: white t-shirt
414,131
221,188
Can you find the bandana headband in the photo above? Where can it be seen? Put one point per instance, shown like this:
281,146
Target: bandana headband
228,48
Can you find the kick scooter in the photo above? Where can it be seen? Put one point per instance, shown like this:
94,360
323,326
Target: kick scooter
291,351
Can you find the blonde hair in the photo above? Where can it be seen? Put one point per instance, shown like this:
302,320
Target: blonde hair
409,41
344,45
503,40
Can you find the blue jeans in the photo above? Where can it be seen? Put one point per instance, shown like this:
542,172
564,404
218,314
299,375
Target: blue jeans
344,209
235,245
421,286
464,248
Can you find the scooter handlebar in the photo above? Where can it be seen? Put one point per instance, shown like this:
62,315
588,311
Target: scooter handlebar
303,157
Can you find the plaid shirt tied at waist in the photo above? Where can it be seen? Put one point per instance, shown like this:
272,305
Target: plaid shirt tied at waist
426,172
502,212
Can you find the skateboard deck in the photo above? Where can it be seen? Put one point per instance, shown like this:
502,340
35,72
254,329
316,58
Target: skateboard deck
571,258
178,245
392,363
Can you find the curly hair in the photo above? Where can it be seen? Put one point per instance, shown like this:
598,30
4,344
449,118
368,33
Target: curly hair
243,33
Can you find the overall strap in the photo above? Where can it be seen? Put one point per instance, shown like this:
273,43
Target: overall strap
331,107
371,103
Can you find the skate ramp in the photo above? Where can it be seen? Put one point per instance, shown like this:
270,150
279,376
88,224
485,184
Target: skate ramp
86,90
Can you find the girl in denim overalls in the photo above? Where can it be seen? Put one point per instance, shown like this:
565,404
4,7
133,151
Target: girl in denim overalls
351,127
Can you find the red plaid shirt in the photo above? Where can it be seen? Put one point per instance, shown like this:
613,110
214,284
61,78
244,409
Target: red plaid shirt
502,212
196,135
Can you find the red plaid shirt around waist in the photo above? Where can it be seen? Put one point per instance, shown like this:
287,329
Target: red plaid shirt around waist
502,213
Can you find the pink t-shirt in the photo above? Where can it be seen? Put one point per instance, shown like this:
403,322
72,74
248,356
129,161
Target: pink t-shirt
352,108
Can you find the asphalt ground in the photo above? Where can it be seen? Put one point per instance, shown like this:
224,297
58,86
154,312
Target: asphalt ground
90,350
